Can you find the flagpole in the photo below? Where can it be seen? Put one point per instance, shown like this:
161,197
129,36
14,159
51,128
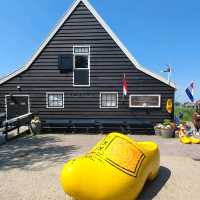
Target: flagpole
169,74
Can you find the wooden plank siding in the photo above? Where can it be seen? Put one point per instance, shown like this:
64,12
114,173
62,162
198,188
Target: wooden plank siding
108,63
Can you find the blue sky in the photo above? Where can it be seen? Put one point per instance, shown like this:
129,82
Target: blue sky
156,32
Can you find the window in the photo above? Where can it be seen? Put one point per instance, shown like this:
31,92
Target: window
65,63
81,72
108,100
16,106
144,101
55,100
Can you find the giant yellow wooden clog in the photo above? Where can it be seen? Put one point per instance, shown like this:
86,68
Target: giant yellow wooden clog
115,169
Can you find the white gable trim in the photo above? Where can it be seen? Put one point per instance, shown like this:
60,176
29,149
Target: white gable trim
105,26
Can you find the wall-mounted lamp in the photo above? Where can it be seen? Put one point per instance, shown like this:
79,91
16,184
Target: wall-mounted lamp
18,87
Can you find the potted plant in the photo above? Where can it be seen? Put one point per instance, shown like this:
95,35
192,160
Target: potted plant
35,125
167,130
157,129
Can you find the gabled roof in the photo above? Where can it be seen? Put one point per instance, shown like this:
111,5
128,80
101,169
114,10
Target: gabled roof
105,26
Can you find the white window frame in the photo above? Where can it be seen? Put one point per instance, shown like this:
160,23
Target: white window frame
100,94
74,54
47,100
18,95
157,95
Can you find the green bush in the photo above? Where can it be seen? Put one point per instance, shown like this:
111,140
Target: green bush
166,122
187,112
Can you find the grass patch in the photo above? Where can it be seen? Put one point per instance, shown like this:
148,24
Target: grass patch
187,112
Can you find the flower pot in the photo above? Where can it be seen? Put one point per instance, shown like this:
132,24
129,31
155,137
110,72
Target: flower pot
157,131
35,128
167,133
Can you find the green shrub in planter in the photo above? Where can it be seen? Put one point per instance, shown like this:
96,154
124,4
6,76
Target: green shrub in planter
167,130
166,122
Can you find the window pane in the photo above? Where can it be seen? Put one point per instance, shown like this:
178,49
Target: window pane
86,50
113,97
52,103
109,97
59,97
109,103
55,97
55,103
81,61
60,103
113,103
50,97
103,96
104,103
81,77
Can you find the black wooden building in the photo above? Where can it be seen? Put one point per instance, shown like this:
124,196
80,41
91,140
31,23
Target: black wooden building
76,76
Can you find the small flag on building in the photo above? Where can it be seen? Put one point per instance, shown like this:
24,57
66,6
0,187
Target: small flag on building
169,72
125,86
190,91
168,69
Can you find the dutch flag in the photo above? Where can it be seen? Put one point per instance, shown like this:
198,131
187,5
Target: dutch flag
125,86
190,91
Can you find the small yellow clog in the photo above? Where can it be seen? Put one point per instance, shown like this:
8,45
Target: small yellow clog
185,140
195,140
182,136
116,168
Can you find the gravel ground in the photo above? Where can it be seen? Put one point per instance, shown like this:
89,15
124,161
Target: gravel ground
30,167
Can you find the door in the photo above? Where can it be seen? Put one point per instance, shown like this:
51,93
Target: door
16,106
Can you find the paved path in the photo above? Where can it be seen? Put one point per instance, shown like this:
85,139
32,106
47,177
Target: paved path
30,167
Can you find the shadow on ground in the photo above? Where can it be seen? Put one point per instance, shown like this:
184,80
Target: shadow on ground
151,189
34,153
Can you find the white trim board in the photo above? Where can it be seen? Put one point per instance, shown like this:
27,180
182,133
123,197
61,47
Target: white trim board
105,26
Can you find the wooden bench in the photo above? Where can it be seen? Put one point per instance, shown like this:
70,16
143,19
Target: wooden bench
97,126
68,125
16,123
